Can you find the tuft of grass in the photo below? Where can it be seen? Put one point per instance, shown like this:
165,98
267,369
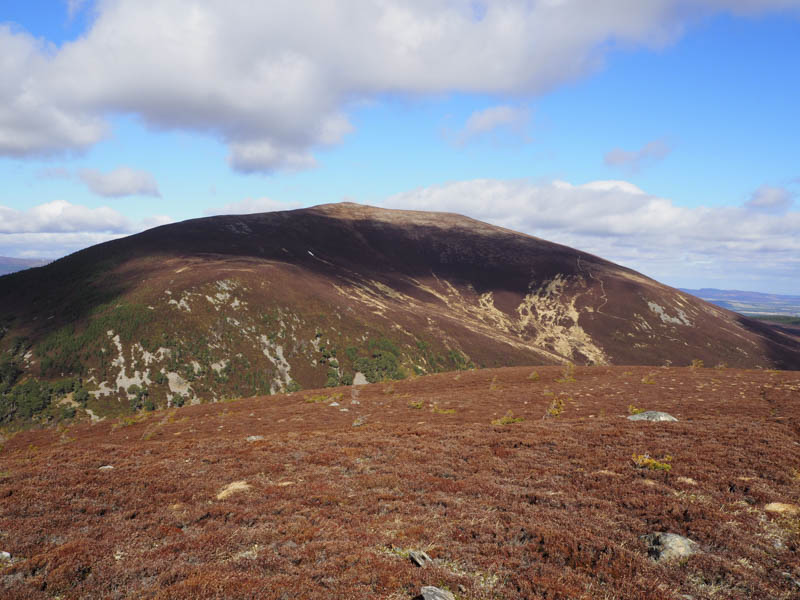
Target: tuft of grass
132,420
493,386
416,405
317,398
644,461
697,363
648,379
507,419
534,376
634,410
567,374
442,411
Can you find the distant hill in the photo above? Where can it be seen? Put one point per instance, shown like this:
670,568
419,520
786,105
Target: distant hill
750,303
12,265
231,306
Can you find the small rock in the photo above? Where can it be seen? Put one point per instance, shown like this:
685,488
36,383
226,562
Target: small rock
419,558
255,438
360,421
6,556
105,468
664,547
333,404
652,415
360,379
433,593
782,508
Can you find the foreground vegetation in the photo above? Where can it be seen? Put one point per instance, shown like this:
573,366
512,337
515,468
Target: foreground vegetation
324,493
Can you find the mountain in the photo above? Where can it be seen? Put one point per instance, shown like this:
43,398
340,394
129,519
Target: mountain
12,265
754,303
232,306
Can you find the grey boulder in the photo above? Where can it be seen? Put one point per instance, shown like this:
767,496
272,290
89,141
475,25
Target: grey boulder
665,547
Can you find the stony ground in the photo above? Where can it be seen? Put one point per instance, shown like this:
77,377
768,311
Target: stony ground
322,494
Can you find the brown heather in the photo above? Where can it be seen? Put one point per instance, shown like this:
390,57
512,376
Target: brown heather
548,508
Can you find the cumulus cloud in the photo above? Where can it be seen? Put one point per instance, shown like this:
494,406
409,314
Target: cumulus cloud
623,223
122,181
482,122
251,206
634,160
770,199
61,216
275,80
59,227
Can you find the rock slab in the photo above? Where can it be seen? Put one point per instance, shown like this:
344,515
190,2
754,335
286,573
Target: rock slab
433,593
652,415
419,558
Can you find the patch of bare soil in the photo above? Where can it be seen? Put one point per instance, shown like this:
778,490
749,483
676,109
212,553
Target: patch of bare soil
283,497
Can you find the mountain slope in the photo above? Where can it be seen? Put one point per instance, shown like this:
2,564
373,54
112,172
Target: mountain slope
242,305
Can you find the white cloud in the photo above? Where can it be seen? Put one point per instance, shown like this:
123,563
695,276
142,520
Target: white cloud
59,227
251,206
274,80
620,222
122,181
485,121
634,160
771,199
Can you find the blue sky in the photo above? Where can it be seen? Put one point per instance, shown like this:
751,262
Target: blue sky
662,135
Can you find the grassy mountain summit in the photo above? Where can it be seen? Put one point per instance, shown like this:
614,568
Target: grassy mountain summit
232,306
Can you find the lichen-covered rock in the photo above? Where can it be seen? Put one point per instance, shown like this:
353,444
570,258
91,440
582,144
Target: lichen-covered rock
652,415
433,593
664,547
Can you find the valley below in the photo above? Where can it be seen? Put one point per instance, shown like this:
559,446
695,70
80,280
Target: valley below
523,482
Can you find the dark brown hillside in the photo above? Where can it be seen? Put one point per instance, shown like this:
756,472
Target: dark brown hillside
321,494
240,305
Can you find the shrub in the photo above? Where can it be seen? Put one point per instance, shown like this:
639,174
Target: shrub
697,363
81,396
556,407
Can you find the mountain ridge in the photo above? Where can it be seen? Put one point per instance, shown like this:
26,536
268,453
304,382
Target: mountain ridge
242,305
